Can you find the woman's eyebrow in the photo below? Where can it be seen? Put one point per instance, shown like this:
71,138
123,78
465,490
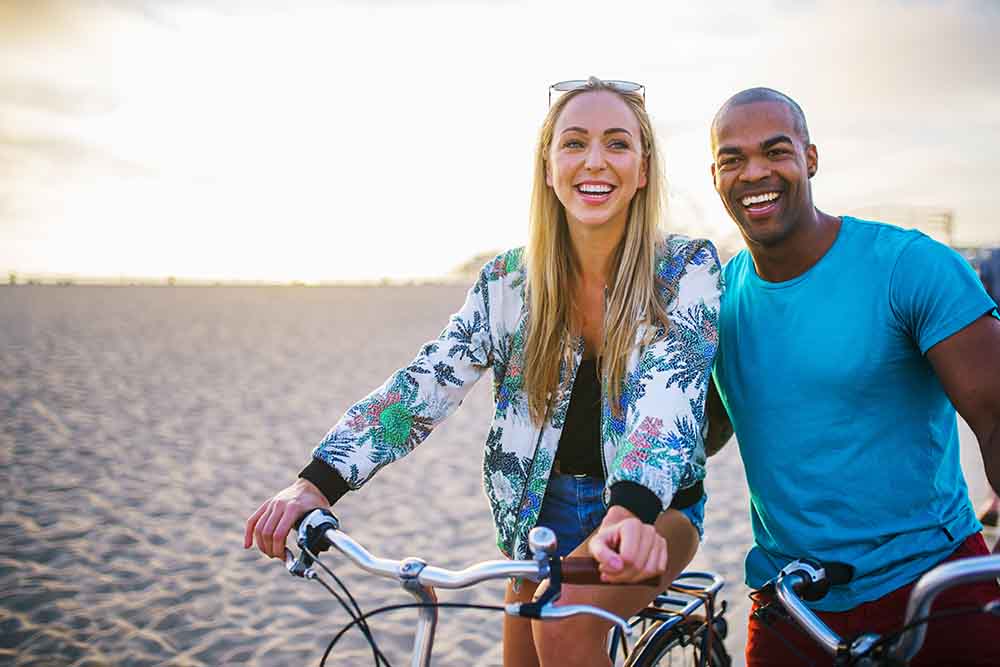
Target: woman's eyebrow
610,130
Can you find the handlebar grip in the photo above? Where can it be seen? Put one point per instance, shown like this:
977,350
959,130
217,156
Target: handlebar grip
583,571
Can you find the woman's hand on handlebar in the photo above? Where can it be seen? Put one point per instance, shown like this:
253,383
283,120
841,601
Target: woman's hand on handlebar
271,523
627,549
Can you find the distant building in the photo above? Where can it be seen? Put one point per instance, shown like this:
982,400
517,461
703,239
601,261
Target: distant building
935,221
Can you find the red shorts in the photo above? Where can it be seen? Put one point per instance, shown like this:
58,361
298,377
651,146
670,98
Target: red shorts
972,639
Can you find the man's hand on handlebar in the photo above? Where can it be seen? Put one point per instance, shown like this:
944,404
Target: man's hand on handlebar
627,549
271,523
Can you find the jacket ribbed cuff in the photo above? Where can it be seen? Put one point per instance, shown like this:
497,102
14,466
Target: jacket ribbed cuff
637,499
326,478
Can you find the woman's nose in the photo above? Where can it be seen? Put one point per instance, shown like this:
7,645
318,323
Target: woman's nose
595,158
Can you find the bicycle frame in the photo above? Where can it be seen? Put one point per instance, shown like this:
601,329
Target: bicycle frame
673,607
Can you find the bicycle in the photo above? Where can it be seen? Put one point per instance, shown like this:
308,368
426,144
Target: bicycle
686,615
807,580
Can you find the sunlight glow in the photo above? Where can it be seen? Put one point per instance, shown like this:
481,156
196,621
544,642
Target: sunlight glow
363,141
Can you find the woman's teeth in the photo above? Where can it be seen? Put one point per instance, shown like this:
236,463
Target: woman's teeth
588,189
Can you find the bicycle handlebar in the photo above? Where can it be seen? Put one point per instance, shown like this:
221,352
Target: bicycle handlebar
320,529
927,588
796,577
428,575
788,588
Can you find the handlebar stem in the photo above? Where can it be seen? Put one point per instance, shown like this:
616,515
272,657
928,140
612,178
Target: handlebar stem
423,639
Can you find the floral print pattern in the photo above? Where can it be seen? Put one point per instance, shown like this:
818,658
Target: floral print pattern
656,441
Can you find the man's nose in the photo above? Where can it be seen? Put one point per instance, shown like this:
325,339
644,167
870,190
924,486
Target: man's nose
756,169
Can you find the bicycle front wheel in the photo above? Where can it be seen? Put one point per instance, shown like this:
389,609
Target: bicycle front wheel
678,646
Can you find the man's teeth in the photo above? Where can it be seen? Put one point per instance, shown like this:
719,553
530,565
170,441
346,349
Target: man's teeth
760,199
594,189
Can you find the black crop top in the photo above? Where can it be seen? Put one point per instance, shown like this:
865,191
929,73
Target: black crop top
579,451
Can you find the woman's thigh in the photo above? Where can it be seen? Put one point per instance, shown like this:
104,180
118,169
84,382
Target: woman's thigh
624,601
518,644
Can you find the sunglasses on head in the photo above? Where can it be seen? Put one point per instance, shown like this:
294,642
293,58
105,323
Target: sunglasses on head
614,84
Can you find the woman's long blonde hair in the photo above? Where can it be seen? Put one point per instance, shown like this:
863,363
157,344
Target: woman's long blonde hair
632,290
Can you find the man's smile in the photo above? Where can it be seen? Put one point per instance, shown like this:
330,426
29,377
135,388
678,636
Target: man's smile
760,204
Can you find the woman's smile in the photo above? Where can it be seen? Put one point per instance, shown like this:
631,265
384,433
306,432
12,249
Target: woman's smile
595,192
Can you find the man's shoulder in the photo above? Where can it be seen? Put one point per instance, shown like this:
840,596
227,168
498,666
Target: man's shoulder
902,250
875,234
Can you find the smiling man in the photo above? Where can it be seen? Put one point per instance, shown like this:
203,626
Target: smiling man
845,347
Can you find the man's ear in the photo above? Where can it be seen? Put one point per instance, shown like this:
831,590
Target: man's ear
712,169
812,160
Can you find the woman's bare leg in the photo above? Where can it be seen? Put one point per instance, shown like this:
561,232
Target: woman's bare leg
581,640
518,645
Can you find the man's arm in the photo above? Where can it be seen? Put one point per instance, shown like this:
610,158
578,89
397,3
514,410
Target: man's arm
968,365
720,429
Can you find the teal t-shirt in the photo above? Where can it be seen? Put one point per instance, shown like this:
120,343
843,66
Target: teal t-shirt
850,443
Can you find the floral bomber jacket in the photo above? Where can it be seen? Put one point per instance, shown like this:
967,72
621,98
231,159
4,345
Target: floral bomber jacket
657,442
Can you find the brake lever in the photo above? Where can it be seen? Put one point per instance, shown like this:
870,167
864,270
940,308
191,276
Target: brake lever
550,611
311,540
301,566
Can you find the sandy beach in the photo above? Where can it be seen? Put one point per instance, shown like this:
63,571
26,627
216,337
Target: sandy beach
141,426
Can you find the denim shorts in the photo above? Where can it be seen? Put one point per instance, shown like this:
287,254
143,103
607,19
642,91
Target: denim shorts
573,507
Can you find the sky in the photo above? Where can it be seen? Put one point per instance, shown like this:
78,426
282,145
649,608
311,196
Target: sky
391,139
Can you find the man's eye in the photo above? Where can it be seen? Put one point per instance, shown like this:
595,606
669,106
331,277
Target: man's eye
777,152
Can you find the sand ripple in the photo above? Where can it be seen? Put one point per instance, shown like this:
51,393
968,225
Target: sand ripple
140,426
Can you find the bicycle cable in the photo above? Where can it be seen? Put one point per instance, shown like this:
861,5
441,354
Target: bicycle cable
377,655
394,607
764,613
379,658
944,613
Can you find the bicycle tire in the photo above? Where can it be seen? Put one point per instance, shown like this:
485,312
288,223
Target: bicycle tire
676,648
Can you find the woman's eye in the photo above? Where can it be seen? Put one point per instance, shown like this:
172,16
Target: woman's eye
619,144
573,143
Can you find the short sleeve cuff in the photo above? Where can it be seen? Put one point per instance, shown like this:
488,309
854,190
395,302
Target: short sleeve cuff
637,499
326,478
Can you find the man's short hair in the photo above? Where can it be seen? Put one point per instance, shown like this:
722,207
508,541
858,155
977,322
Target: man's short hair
761,94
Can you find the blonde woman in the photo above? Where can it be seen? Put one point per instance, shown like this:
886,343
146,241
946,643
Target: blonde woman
600,335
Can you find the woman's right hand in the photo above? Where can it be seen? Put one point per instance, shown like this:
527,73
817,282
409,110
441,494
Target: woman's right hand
270,524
